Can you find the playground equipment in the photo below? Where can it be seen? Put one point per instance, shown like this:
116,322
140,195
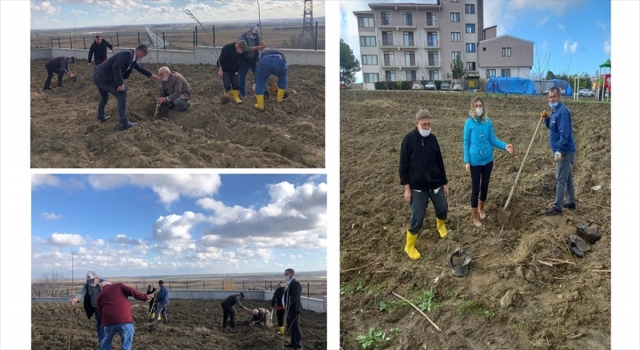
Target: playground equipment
602,85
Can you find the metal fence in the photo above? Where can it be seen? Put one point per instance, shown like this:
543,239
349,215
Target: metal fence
310,288
174,40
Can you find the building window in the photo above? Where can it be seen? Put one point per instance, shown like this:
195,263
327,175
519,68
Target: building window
470,28
431,19
434,75
432,39
365,22
390,75
471,66
387,38
367,41
456,55
370,60
471,47
409,58
455,0
506,52
385,18
388,58
433,59
454,16
407,19
491,73
370,77
455,36
411,75
408,38
470,9
505,72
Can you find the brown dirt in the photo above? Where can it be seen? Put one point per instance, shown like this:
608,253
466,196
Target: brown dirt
564,306
193,324
65,133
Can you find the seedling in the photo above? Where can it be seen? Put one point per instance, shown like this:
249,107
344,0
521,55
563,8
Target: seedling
372,339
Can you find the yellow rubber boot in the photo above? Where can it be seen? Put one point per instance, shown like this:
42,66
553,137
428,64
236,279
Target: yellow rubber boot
281,330
410,248
228,93
236,96
153,315
442,230
280,95
259,102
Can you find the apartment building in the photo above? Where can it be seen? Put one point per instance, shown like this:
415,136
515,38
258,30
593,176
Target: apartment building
504,55
418,41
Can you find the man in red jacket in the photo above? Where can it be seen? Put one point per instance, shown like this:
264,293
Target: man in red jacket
115,310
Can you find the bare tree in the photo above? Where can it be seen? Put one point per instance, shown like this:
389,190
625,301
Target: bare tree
51,283
540,69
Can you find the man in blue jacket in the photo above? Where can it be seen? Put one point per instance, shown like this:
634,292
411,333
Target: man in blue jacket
109,79
423,176
563,148
162,300
88,296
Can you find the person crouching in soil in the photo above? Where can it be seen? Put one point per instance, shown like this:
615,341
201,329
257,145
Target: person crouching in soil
174,91
228,65
259,317
424,178
59,66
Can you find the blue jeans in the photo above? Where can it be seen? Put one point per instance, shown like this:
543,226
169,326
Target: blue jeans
271,65
564,180
419,202
99,327
126,335
242,76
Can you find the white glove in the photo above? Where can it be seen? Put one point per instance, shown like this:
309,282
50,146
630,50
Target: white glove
557,156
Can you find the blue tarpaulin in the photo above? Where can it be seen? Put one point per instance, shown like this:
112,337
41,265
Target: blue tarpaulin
511,85
563,85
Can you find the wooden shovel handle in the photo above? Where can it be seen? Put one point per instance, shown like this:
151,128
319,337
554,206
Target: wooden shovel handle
522,165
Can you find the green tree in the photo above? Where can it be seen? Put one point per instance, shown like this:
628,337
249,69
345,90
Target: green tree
349,65
549,76
457,69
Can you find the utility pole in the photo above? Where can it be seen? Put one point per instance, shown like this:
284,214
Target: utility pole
71,268
306,37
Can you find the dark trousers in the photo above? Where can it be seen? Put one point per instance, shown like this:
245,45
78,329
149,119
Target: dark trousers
228,313
50,72
280,315
110,87
293,319
480,182
230,81
420,201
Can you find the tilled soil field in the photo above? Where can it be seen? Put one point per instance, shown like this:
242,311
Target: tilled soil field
524,289
193,324
66,134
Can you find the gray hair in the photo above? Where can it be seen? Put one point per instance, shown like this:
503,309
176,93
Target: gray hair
164,69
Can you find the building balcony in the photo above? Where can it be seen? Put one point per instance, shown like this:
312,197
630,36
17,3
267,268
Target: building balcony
400,64
397,23
430,23
433,63
431,44
399,43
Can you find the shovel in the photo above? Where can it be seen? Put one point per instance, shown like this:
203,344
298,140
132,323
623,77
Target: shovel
155,114
504,215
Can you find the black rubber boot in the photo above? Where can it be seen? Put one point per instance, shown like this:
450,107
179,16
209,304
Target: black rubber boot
103,119
126,125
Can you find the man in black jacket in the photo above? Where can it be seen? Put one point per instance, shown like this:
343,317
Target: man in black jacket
99,48
60,66
229,311
292,308
423,176
109,79
88,296
228,65
278,302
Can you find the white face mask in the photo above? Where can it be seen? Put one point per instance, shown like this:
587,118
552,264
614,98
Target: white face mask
478,112
425,132
288,278
165,78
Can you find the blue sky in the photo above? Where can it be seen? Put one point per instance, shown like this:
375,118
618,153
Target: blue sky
575,35
139,225
62,13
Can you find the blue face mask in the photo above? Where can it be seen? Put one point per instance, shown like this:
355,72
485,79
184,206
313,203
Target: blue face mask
553,105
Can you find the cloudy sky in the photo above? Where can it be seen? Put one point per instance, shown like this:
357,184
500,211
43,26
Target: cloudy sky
54,14
134,225
574,34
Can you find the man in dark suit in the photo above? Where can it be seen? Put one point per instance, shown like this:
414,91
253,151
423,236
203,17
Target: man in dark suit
99,48
278,302
109,79
292,308
60,66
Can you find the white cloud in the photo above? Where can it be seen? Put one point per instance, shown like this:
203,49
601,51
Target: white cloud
45,7
569,47
602,26
65,239
607,47
543,21
123,239
172,227
168,187
51,216
78,12
42,180
561,27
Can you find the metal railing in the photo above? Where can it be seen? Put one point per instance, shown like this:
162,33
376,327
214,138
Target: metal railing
399,43
397,22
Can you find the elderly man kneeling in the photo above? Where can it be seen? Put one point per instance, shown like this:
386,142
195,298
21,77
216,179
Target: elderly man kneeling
174,90
259,317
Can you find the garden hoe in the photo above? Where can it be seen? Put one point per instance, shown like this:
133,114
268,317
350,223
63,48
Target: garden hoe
460,259
504,215
155,114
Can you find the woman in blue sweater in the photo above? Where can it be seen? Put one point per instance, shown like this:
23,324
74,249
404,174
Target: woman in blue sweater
479,141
